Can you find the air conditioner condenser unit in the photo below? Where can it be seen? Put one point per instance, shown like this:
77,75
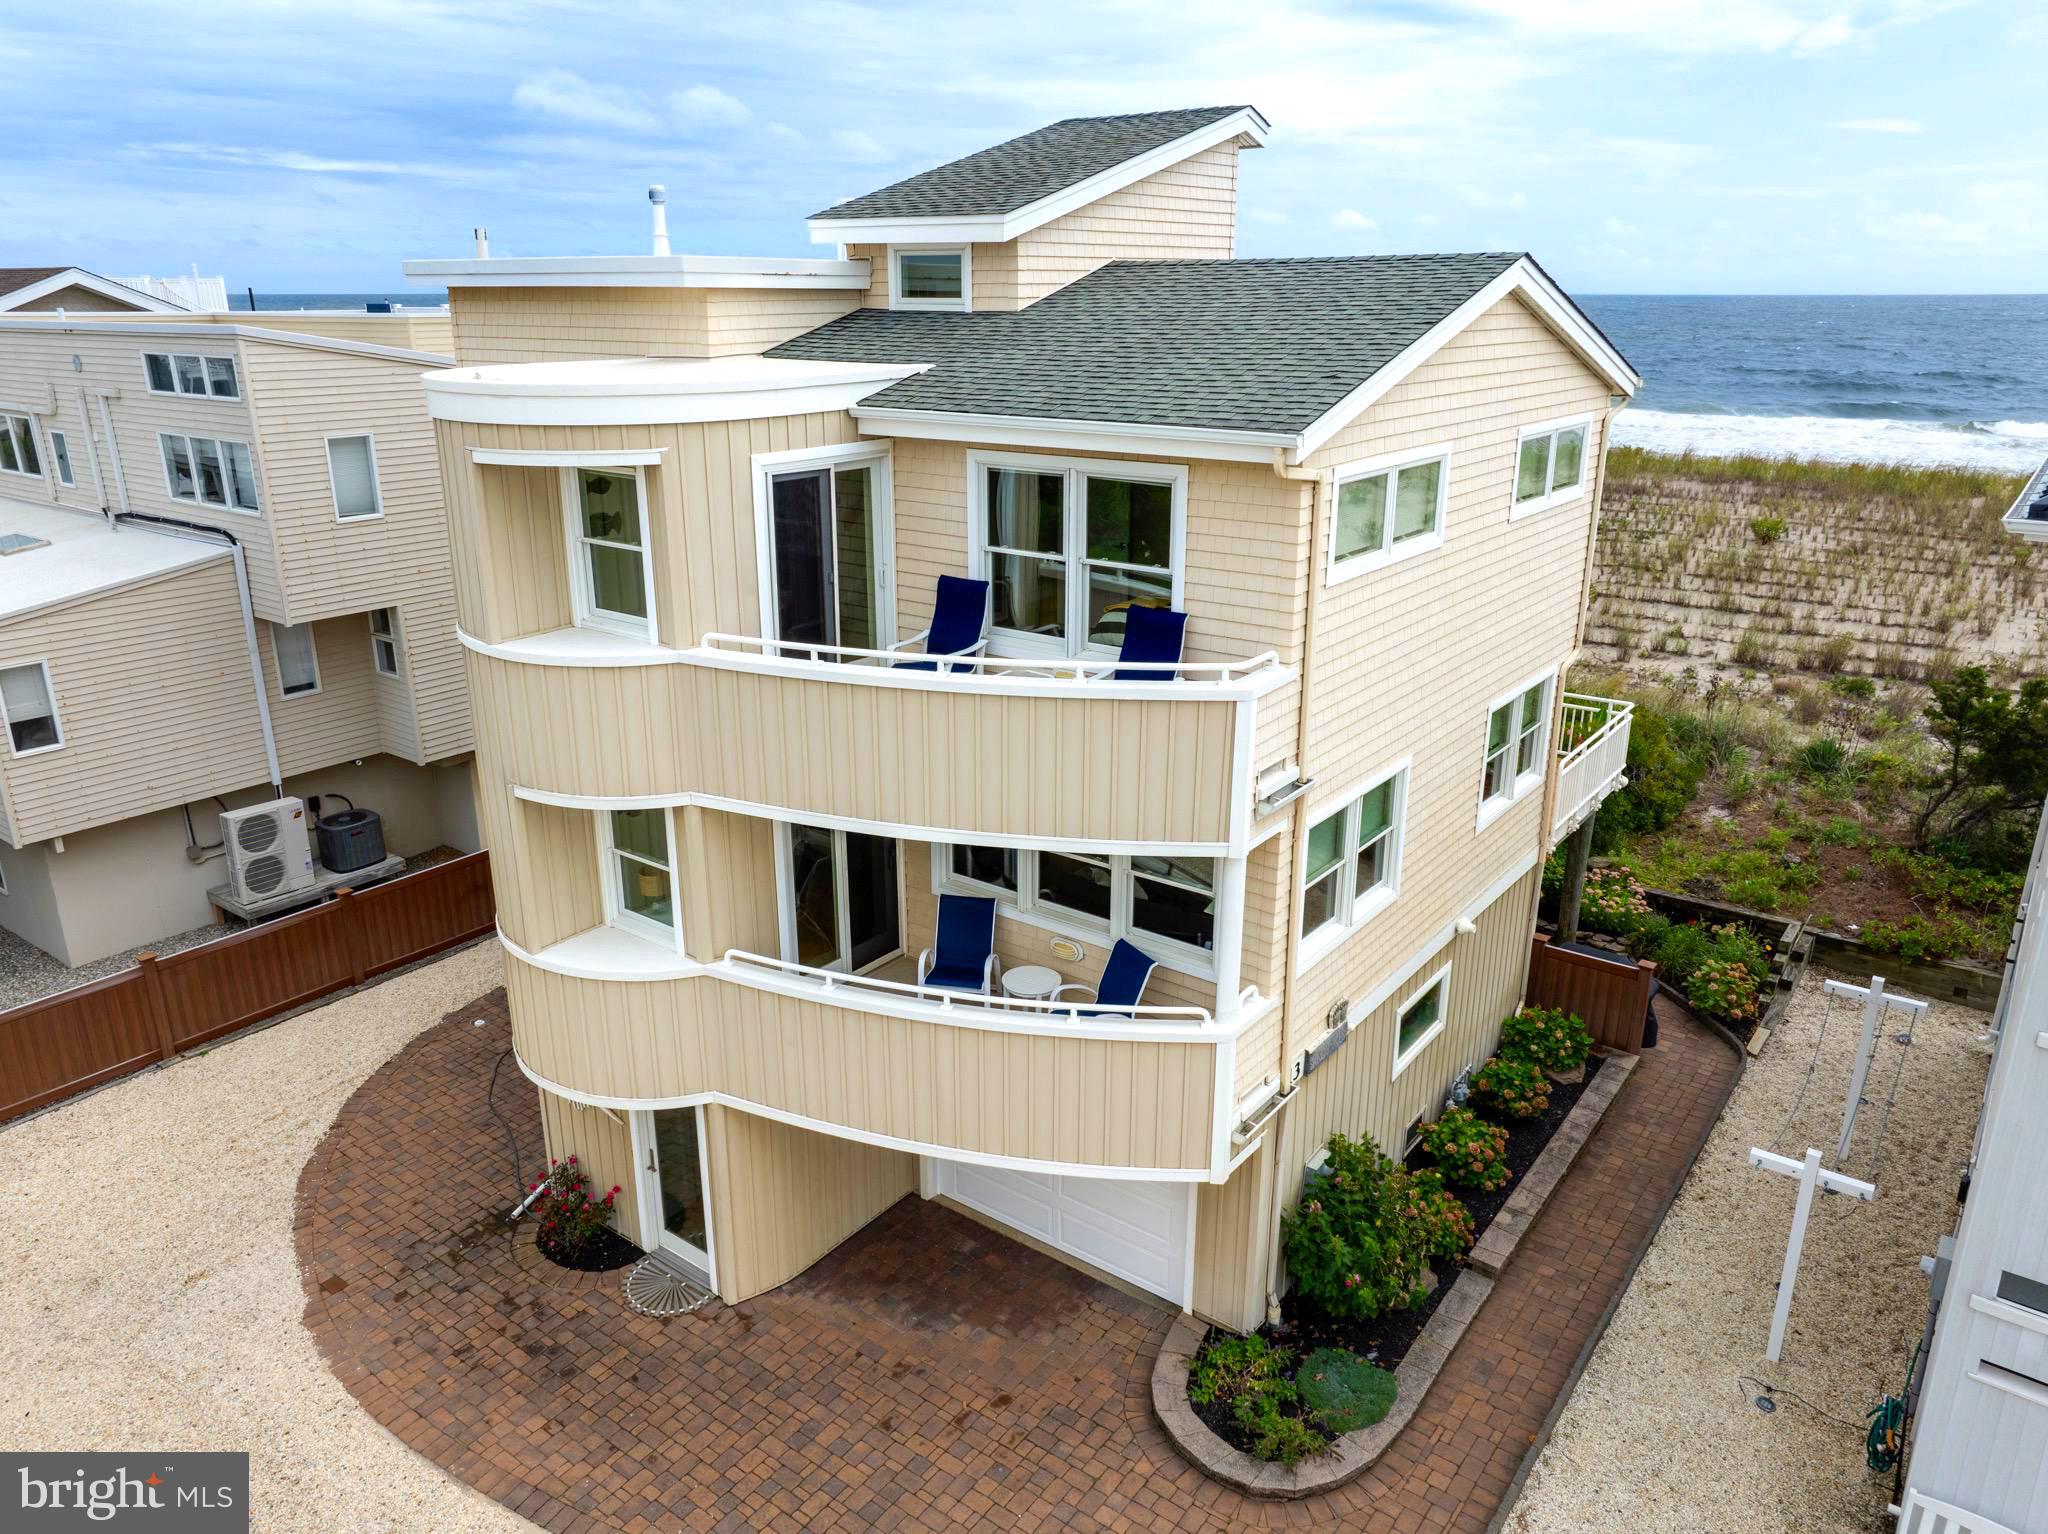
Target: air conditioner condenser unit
269,850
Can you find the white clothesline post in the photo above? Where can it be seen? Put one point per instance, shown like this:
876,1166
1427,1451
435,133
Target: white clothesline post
1811,1175
1874,1002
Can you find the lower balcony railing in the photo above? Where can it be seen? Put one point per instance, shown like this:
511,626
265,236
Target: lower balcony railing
1592,757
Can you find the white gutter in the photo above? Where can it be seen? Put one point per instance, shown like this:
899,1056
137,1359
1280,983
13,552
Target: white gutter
300,338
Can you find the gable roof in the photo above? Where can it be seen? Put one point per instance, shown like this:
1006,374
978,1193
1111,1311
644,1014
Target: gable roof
1255,353
1000,192
21,285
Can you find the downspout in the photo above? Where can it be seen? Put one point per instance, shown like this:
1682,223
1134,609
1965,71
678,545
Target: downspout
175,527
114,454
92,449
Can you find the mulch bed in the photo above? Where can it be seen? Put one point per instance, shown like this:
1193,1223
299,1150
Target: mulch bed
1385,1340
606,1251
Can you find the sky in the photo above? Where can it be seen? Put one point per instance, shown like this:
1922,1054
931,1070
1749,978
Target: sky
1635,146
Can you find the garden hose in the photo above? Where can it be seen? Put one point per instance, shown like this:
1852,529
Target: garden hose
1886,1440
491,1102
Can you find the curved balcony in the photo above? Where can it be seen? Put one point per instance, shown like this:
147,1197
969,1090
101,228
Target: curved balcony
1592,758
612,1020
984,748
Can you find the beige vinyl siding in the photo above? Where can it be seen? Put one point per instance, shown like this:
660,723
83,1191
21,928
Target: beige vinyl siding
877,258
1410,657
1233,1222
603,1147
495,325
338,723
422,332
544,867
1079,1101
154,699
514,577
728,883
782,1197
1187,211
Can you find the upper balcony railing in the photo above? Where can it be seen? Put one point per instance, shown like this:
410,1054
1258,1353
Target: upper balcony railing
1592,751
955,670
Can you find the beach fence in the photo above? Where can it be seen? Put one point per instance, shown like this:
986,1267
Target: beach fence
74,1040
1611,995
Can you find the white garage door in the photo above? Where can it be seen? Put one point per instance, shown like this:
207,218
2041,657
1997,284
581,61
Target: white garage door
1136,1230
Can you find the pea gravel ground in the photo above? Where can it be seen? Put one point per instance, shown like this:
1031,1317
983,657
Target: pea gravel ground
1661,1432
149,1295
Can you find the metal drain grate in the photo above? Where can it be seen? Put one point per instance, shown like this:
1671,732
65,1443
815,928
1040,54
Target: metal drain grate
654,1288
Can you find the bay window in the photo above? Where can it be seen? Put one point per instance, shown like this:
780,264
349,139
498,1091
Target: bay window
1351,866
1387,509
1166,904
1070,547
1550,464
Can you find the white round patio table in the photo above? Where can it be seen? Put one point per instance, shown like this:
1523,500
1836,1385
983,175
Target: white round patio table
1031,982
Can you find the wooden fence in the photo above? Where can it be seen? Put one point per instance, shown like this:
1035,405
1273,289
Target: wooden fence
61,1045
1612,996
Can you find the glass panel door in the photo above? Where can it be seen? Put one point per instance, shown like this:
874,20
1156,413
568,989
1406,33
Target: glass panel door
856,558
826,540
840,909
678,1172
814,882
873,932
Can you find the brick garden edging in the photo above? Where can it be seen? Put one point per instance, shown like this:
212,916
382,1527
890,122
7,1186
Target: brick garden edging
1353,1453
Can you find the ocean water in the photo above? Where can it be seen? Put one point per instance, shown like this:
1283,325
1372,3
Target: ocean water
1922,380
416,298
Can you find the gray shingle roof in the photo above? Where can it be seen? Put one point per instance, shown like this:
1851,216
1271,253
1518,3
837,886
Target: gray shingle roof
14,277
1018,173
1258,345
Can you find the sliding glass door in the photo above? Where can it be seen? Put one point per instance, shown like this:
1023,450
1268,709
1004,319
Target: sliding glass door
827,538
839,904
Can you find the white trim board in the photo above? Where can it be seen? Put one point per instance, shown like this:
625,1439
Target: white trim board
69,326
638,272
92,282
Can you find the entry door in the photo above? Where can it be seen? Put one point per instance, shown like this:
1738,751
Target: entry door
826,542
839,900
675,1179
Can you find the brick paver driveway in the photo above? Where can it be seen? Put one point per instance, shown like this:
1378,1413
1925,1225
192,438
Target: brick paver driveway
927,1375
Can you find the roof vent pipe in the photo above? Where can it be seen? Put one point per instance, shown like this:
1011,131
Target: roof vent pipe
483,242
658,195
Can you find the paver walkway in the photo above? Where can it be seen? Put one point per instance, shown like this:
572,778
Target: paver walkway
928,1374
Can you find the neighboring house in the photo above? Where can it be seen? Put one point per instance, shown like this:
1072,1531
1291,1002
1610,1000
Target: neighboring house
722,825
33,289
1979,1444
128,660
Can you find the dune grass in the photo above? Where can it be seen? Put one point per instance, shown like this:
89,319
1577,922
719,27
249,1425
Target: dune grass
1904,484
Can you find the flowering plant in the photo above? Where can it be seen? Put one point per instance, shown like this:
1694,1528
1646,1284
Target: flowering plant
1723,988
570,1219
1548,1039
1613,901
1512,1085
1446,1222
1469,1151
1358,1241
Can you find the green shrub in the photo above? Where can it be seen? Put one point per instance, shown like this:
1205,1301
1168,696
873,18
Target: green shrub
1276,1437
1256,1379
1469,1151
1767,529
1858,687
1342,1391
1552,1040
1510,1086
1356,1243
1447,1229
1723,989
1822,757
1662,780
1753,649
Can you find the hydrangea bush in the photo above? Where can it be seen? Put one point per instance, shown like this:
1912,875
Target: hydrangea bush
1511,1085
1549,1039
1469,1151
1358,1240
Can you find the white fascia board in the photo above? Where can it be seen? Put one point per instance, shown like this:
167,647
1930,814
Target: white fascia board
75,277
1523,278
996,228
216,333
639,272
1082,436
446,401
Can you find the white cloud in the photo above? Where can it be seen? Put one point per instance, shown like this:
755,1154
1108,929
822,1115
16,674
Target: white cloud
708,104
862,148
1351,218
562,93
293,159
1879,125
1618,229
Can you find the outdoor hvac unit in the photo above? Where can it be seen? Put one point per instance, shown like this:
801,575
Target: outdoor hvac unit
269,853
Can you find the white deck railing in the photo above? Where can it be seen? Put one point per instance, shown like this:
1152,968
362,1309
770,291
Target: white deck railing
1035,669
1592,757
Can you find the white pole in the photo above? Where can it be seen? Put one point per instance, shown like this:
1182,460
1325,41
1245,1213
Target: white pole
1873,1009
1809,1177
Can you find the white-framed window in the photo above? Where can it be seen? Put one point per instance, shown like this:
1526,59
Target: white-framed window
1351,862
298,661
1388,508
1517,729
1550,464
1071,545
352,477
931,277
639,851
1164,904
611,556
28,705
18,447
384,640
207,471
1421,1018
60,455
186,373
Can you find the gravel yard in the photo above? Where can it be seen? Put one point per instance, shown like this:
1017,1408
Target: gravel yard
1662,1432
153,1297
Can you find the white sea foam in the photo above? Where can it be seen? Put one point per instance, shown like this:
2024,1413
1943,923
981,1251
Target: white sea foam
2012,446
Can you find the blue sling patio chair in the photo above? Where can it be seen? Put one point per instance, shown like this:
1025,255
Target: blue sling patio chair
1151,634
1122,985
963,955
960,612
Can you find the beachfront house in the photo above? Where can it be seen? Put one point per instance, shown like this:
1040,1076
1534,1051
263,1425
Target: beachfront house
1034,711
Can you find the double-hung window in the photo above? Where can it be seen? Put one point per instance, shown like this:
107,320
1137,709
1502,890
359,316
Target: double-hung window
1421,1018
1071,547
298,663
352,476
1517,728
209,472
384,640
610,560
930,277
1351,867
639,871
1550,464
29,709
1166,905
18,447
185,373
1388,509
